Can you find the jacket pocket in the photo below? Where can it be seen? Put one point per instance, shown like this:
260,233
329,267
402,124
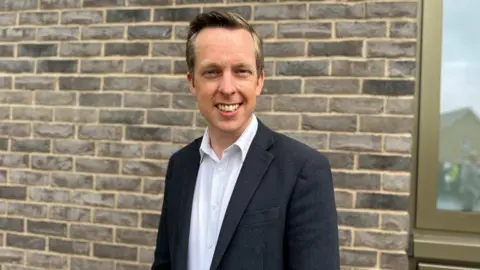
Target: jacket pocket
259,217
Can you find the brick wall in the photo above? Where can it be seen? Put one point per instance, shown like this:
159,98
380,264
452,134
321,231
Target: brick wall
94,100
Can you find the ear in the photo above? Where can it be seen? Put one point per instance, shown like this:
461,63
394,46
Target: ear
191,84
260,82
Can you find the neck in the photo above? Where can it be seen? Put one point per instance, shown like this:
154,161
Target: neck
219,141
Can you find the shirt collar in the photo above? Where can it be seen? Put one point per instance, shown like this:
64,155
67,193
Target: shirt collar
242,143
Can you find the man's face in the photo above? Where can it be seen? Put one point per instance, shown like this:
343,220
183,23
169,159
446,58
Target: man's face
226,83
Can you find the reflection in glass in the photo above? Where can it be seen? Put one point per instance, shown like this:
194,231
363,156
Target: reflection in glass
459,173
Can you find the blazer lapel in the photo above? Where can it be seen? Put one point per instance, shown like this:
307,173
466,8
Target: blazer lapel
189,180
254,167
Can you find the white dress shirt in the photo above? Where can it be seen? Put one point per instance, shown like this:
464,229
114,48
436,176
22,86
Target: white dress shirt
215,182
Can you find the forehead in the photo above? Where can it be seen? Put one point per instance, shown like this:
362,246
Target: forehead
220,45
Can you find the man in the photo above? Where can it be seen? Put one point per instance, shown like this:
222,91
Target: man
242,196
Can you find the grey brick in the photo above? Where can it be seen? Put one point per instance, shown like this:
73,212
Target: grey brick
47,228
59,4
250,1
391,10
337,11
54,130
35,83
5,82
6,50
17,34
58,33
358,258
186,2
279,121
101,66
391,49
315,140
100,100
72,147
16,66
13,5
284,49
403,30
360,29
103,3
57,66
169,85
160,151
244,11
105,200
118,184
121,117
75,115
124,219
395,222
153,186
8,19
358,68
146,255
11,256
3,179
335,48
175,14
300,104
388,87
119,150
341,123
39,18
127,16
13,192
361,105
12,224
136,237
383,162
281,12
148,66
48,195
394,261
304,30
69,247
52,163
82,17
180,67
400,106
398,144
185,102
69,213
97,165
144,168
150,221
396,182
356,142
380,240
82,263
125,83
117,252
30,145
51,98
14,129
27,210
99,132
180,32
186,135
17,97
307,68
149,32
102,32
386,124
80,49
177,118
170,49
47,260
92,233
138,202
402,68
126,49
358,219
3,147
150,2
72,181
79,83
26,242
345,237
265,30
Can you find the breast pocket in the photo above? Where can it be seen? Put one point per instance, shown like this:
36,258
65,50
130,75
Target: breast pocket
260,217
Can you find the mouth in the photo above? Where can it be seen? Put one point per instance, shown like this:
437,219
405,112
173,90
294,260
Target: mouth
228,108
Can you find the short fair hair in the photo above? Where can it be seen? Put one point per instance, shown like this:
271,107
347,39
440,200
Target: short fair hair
222,19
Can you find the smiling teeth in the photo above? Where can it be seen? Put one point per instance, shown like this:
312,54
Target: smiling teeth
228,108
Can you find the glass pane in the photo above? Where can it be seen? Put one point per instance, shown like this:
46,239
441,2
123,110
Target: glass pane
459,156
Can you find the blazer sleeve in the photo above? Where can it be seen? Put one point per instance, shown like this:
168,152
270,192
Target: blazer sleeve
161,260
312,229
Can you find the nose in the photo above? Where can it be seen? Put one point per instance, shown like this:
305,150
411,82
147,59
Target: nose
227,83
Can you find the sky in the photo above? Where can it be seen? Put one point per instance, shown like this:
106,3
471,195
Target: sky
461,55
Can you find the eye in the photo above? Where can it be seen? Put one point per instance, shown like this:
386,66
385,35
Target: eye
244,71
